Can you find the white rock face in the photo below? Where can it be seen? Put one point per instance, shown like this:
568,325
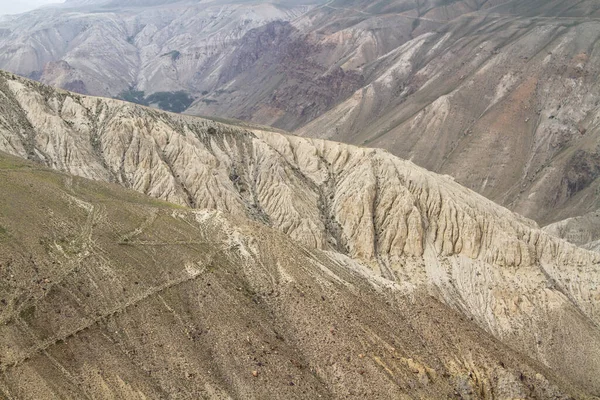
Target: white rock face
410,226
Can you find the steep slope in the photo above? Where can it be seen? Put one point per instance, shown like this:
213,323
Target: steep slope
287,74
108,294
412,228
279,63
583,231
504,100
459,87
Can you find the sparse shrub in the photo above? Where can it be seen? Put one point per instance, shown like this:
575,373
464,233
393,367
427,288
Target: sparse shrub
171,101
133,96
175,55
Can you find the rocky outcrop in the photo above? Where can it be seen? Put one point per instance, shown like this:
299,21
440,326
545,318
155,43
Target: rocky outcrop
411,227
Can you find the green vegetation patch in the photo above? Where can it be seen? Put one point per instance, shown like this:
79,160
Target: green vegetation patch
134,96
171,101
177,102
8,163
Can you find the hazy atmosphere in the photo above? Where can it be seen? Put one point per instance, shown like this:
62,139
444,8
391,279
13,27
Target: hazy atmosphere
15,7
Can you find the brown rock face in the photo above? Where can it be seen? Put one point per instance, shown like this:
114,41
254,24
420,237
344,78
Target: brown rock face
291,87
62,74
286,74
280,63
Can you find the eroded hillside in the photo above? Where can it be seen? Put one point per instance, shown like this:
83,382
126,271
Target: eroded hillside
279,63
504,100
499,94
415,230
286,74
109,294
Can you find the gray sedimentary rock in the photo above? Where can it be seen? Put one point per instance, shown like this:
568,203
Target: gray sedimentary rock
503,99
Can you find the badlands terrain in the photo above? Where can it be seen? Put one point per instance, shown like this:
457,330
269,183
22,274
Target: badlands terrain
280,266
505,101
109,294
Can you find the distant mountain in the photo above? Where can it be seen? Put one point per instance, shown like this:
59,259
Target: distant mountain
288,74
583,230
110,48
499,94
279,63
293,266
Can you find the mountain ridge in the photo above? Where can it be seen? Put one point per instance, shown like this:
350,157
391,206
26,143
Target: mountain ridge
409,226
457,87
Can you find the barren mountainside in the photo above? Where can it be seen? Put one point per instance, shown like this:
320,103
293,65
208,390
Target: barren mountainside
504,100
113,47
109,294
278,63
400,227
287,74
